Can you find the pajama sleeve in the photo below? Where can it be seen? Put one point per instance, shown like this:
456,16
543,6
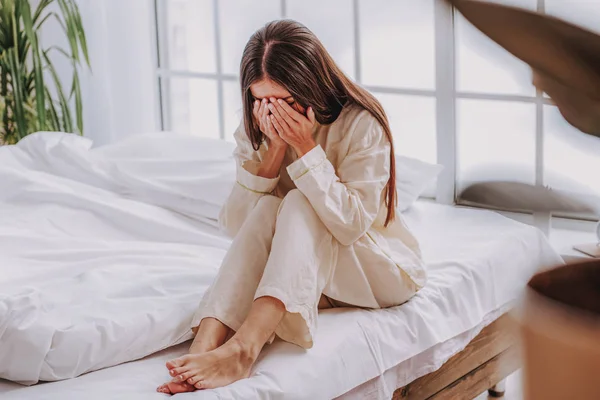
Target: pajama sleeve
347,202
249,187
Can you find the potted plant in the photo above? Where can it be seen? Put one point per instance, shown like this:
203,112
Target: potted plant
32,97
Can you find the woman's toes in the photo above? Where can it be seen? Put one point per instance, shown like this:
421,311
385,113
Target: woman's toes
184,376
199,385
175,372
163,388
177,362
180,387
193,380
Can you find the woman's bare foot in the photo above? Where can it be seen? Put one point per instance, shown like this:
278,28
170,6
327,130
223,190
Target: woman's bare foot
217,368
231,361
175,386
210,335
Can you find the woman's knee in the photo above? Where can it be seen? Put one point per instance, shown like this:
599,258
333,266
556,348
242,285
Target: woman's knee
268,203
296,210
295,200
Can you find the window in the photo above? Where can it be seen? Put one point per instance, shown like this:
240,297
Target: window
452,95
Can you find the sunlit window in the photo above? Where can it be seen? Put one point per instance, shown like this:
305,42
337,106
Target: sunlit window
503,128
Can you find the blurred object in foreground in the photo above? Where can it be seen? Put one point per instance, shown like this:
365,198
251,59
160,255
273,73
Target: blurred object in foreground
517,196
561,313
524,197
565,58
560,321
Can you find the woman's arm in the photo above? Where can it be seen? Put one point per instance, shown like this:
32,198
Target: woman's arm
271,164
255,178
347,202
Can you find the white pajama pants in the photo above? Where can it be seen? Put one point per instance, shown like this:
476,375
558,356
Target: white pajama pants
283,250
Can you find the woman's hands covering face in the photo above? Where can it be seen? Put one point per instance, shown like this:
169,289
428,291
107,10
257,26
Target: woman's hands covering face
261,113
291,126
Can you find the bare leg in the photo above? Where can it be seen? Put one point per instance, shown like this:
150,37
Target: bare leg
233,360
272,286
231,295
211,334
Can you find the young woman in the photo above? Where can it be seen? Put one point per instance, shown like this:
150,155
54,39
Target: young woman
312,215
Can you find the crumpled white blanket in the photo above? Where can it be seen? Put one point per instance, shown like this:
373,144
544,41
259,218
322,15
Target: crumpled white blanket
104,253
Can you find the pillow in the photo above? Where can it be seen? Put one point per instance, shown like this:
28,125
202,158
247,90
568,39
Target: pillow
194,175
413,177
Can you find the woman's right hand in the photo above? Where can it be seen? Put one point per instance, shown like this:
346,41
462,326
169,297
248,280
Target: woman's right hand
261,113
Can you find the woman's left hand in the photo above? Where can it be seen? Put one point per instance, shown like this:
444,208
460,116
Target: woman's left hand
294,128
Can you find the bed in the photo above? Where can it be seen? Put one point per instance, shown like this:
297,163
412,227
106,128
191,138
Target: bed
153,255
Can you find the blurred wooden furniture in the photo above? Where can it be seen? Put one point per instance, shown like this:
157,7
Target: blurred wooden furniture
486,361
560,325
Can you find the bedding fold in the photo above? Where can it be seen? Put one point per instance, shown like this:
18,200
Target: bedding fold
104,253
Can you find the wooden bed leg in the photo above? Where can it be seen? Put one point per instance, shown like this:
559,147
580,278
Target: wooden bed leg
498,389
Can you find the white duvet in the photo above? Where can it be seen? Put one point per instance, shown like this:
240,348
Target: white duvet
104,253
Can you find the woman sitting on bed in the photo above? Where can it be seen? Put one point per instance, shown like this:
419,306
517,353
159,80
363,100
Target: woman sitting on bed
312,215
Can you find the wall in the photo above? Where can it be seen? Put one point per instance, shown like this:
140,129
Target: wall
119,93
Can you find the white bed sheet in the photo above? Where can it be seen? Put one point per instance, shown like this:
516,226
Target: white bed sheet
478,264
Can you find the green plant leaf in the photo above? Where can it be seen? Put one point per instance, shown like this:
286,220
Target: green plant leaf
37,64
62,51
81,33
53,119
40,9
78,103
70,29
26,102
19,113
16,79
62,100
5,130
38,24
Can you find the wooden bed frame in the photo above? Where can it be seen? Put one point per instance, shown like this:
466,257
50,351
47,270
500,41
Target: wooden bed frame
486,361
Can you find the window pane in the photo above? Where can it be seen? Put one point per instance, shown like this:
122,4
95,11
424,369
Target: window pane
190,40
485,67
412,120
571,158
495,142
194,108
233,108
397,43
238,20
584,13
337,37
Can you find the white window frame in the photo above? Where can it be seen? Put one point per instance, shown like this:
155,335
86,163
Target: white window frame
445,94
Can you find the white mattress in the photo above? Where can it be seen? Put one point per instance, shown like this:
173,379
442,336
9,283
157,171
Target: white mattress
478,263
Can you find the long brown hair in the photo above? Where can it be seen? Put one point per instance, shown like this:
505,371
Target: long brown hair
289,54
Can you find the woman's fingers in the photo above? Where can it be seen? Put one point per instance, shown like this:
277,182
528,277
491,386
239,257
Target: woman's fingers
288,112
270,130
255,108
276,106
265,126
277,125
256,112
311,115
264,109
284,121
